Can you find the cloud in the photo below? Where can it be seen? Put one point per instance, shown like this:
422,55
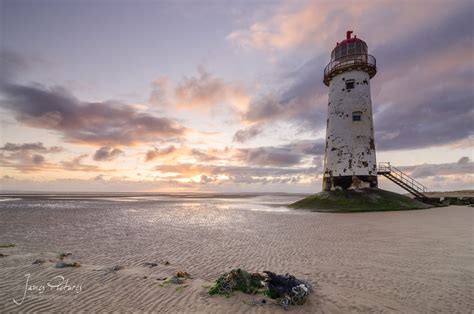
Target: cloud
307,147
444,117
106,153
98,123
76,165
159,92
206,91
244,135
464,160
264,108
30,147
186,170
12,63
435,111
319,23
453,24
94,184
171,154
203,156
269,156
25,162
27,157
285,29
291,154
463,166
38,159
301,102
205,179
155,153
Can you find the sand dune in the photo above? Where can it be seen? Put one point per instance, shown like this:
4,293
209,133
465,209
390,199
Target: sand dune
383,262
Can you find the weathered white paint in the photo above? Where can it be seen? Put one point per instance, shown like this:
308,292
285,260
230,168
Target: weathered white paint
350,147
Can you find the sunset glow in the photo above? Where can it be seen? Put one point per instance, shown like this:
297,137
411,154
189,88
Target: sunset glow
158,96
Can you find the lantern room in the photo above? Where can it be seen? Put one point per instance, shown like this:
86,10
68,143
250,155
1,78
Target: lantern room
350,54
349,46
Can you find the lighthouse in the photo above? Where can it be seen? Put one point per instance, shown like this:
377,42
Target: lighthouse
349,160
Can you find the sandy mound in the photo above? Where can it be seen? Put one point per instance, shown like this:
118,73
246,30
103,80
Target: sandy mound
358,200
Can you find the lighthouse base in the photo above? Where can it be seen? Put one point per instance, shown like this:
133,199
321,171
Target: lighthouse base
358,200
331,183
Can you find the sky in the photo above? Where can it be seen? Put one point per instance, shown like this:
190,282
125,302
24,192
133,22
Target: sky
224,96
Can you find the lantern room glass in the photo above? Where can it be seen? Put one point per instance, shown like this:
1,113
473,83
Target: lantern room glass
349,48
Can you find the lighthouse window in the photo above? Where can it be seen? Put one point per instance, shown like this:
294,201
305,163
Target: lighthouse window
343,50
351,48
350,84
356,116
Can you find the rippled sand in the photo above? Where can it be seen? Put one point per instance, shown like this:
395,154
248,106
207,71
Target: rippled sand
383,262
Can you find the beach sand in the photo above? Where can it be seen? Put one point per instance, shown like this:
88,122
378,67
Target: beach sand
408,261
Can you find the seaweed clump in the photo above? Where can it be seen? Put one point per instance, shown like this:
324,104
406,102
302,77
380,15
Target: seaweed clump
7,245
238,280
284,289
63,264
180,277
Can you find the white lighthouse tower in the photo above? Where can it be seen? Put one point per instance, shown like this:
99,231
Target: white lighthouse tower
350,151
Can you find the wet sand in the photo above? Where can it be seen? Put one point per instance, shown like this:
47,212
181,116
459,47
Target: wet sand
409,261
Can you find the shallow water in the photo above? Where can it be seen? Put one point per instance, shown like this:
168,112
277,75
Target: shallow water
61,220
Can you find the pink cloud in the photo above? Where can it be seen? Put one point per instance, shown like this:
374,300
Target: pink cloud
206,91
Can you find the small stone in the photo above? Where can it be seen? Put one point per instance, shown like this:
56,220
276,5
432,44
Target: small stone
264,301
38,261
3,255
117,268
183,274
167,263
176,280
63,255
150,264
63,265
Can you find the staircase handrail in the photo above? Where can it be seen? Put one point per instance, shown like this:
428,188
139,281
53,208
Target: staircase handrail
420,187
387,167
384,166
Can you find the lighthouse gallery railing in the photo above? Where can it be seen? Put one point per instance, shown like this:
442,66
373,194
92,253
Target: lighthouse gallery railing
349,60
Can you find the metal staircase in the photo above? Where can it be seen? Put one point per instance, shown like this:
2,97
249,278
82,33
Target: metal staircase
402,179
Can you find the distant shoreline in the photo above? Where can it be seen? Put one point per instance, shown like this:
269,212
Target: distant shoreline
95,195
88,194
